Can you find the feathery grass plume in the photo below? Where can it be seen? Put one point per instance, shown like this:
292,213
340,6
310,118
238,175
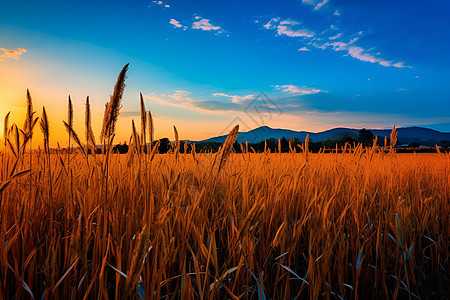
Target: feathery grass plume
385,143
375,142
246,146
137,262
194,154
279,145
90,138
307,147
75,137
393,139
150,128
113,107
186,145
225,150
70,112
143,123
29,114
45,130
177,141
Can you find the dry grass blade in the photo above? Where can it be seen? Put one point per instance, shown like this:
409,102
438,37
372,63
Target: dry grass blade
5,184
6,127
135,136
137,262
74,135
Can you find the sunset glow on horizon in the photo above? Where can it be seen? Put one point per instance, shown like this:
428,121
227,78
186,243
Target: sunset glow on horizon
200,65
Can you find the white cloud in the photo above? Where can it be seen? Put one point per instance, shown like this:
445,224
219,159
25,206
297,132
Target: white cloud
401,65
289,88
337,13
288,27
160,3
319,6
235,98
359,53
335,36
11,54
205,24
180,95
303,49
175,23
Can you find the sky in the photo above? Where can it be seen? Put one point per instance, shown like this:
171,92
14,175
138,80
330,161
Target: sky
205,66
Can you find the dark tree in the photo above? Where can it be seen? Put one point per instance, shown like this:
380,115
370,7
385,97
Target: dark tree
164,145
365,137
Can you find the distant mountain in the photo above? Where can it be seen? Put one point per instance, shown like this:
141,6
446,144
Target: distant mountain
405,135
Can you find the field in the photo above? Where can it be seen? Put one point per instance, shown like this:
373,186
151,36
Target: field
357,223
266,225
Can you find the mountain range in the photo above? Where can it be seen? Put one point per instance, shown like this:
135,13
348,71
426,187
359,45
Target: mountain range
406,135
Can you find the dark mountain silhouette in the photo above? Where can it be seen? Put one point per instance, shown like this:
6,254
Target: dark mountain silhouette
407,135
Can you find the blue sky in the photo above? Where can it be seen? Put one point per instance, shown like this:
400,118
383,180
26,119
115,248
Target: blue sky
200,64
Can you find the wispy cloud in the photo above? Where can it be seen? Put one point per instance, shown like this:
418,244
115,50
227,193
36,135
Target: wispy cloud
205,24
319,6
288,27
337,12
11,54
301,90
177,24
359,52
235,98
303,49
334,37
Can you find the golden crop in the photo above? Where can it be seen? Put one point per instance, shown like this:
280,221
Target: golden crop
365,223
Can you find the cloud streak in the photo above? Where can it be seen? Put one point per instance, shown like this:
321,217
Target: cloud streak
299,90
288,27
235,98
359,53
11,54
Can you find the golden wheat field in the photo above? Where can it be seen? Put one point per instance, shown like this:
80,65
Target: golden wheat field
267,226
365,223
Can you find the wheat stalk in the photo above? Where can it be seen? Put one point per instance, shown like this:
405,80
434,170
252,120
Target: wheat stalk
90,138
143,123
113,107
177,142
136,262
45,130
225,150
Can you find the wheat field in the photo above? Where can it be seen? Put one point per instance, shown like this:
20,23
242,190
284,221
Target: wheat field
365,223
